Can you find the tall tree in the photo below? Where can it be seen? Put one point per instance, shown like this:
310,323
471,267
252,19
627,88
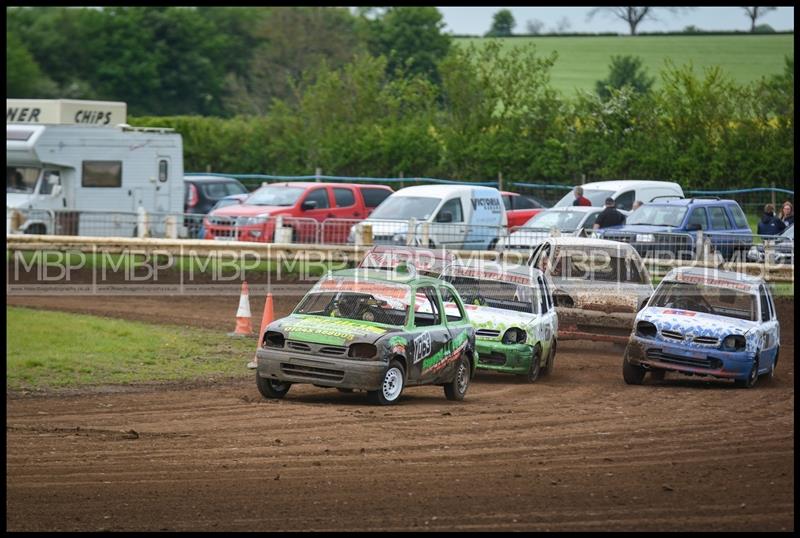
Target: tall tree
24,78
625,71
411,38
503,24
756,13
289,42
631,15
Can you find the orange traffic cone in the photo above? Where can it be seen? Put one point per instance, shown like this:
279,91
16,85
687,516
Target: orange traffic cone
243,325
266,319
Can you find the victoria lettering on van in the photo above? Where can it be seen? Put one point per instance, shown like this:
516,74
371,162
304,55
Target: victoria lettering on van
20,114
492,204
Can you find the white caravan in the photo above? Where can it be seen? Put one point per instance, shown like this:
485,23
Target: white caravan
66,160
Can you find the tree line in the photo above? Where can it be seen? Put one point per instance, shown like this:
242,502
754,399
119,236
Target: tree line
382,92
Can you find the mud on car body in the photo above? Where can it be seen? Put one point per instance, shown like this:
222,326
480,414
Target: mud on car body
593,274
513,313
705,322
364,329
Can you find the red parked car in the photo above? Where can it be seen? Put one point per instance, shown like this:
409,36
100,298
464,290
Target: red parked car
300,204
520,208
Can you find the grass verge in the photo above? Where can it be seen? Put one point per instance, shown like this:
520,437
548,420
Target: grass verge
62,350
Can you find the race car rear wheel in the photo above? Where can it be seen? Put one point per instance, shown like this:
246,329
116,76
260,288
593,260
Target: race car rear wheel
272,388
752,377
632,374
457,388
391,386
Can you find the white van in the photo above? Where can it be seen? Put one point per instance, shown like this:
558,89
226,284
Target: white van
65,159
453,216
624,191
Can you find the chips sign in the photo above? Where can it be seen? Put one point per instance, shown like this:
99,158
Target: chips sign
65,112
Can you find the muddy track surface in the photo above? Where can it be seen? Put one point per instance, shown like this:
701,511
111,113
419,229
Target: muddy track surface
578,450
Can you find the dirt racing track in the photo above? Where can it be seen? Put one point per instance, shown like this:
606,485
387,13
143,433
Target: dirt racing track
579,450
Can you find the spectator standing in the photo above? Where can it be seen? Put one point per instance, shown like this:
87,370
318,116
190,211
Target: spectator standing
610,216
580,199
787,213
770,224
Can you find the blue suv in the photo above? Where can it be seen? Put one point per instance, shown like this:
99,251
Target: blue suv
671,225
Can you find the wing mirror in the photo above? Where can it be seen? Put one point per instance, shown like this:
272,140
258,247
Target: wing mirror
445,216
308,204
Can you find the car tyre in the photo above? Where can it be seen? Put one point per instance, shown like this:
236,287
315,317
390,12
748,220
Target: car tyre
771,375
633,374
536,366
391,386
658,375
272,389
752,377
551,359
457,388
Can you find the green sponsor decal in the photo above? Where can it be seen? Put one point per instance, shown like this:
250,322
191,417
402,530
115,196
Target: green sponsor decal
332,331
444,353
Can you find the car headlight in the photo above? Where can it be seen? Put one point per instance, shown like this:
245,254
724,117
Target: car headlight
734,342
646,329
249,221
645,238
514,335
362,351
273,339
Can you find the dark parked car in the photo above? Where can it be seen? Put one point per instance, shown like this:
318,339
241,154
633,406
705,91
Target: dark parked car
782,249
671,224
202,193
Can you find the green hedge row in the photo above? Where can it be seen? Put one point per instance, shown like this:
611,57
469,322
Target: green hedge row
496,113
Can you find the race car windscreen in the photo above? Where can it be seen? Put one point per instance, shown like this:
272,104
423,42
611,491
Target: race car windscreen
706,300
496,294
598,265
361,300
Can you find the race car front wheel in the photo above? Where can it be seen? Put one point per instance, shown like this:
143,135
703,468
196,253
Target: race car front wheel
391,386
536,364
631,373
751,379
272,388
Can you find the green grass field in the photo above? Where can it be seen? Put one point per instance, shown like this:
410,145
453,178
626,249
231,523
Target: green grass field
584,60
89,350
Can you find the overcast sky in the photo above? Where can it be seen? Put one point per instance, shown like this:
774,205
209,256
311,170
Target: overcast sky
478,20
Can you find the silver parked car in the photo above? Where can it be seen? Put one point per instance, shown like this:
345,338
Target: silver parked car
570,220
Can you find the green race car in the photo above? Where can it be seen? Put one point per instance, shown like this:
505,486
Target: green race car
374,330
512,310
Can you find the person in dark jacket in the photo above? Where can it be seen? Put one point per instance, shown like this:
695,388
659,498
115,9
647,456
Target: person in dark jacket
770,224
609,216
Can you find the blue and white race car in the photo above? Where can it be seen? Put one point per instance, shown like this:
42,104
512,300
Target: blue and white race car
705,322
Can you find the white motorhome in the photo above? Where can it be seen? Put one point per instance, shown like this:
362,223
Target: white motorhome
66,159
624,192
452,216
